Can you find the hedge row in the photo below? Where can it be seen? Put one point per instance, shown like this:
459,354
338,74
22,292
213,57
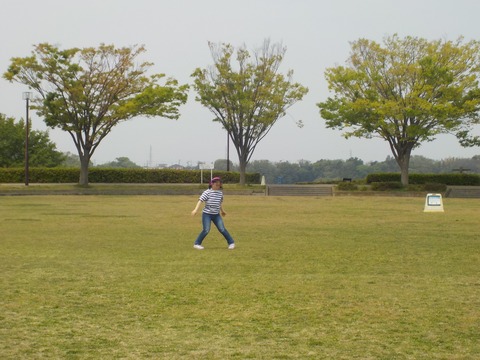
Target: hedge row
139,176
447,179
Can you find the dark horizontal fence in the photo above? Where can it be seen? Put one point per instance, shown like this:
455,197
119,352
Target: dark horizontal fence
447,179
136,176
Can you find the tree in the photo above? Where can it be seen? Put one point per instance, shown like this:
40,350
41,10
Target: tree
223,164
42,152
405,92
121,162
86,92
71,160
247,100
465,137
264,168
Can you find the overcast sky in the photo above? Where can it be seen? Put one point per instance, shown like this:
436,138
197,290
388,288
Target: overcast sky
317,35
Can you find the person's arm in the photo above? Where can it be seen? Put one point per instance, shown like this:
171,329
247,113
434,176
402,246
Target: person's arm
197,207
222,211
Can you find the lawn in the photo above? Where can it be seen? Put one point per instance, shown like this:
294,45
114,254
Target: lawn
116,277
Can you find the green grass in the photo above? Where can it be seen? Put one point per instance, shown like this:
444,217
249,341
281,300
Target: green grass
116,277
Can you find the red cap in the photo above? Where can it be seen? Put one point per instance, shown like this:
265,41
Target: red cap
215,179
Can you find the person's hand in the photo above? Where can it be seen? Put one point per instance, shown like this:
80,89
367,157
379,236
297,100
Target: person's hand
194,212
224,213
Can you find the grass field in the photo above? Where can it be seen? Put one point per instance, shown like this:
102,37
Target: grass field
116,277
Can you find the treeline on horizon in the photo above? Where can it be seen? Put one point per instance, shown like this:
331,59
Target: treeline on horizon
285,172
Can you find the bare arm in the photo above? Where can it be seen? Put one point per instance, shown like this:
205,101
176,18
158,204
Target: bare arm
196,207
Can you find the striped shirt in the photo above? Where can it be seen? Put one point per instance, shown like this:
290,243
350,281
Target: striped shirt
213,200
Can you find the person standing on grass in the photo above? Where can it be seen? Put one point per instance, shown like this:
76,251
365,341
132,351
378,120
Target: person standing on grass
212,212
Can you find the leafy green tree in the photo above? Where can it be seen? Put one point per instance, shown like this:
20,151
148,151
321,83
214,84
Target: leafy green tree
264,168
405,92
249,98
349,168
121,162
223,164
12,142
71,160
86,92
42,151
389,165
420,164
466,138
328,169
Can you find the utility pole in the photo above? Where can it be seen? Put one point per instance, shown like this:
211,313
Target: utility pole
27,96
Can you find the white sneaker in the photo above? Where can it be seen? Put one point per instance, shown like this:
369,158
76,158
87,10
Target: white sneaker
231,246
198,247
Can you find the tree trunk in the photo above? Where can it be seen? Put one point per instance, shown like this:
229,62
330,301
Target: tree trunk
243,168
402,150
404,163
404,174
84,163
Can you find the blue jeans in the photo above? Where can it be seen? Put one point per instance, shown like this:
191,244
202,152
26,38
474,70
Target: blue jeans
207,219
